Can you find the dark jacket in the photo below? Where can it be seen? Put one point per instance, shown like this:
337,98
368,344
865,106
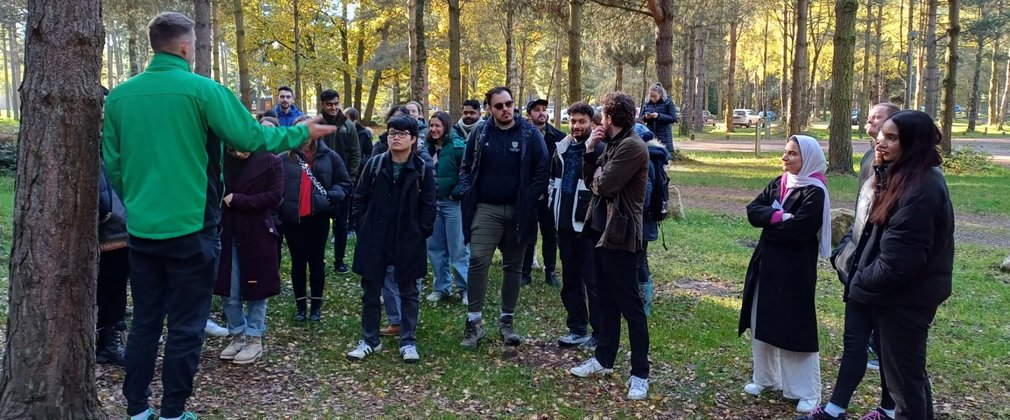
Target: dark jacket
382,146
414,224
650,228
112,232
567,149
784,269
450,158
287,120
535,168
909,260
866,166
365,140
328,169
662,125
345,142
619,188
551,138
246,223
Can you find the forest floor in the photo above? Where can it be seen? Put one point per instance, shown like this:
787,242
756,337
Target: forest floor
699,364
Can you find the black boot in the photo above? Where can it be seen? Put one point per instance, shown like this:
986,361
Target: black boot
111,349
550,277
316,313
300,309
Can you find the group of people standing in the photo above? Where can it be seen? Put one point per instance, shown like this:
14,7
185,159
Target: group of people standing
895,265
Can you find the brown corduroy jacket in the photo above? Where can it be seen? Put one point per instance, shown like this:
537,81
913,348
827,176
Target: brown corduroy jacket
617,180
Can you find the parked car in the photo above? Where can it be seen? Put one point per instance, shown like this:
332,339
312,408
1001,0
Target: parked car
564,116
771,115
854,116
745,117
708,118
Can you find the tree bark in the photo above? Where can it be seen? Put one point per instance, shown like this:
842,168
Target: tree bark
698,123
950,76
731,75
217,36
663,14
993,84
455,78
689,86
556,81
878,81
245,91
1002,108
359,74
54,256
132,42
864,91
202,64
15,55
798,94
299,93
373,90
510,49
8,89
908,57
345,54
932,72
784,85
109,73
574,51
421,72
974,102
840,129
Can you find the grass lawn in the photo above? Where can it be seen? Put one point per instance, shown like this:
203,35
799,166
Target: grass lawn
699,364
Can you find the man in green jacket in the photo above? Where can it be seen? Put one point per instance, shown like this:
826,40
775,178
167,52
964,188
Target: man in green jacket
162,148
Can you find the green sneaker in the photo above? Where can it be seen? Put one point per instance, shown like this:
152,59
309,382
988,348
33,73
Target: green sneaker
150,415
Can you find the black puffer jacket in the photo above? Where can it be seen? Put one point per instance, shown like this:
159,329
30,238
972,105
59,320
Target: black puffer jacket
328,169
910,259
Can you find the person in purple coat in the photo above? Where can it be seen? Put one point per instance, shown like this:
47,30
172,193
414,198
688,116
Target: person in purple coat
248,272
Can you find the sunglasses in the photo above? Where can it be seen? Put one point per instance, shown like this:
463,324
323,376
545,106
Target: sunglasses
502,105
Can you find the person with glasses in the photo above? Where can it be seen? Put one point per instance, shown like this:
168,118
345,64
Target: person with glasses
393,215
345,143
504,172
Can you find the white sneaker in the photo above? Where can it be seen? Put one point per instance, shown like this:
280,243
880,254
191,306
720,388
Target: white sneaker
234,347
753,389
436,296
464,298
362,351
590,367
638,388
409,354
806,406
572,340
536,263
251,352
215,330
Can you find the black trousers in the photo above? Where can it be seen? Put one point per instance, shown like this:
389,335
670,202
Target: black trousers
578,281
903,334
340,228
617,292
371,309
859,323
545,219
113,274
173,278
307,245
644,274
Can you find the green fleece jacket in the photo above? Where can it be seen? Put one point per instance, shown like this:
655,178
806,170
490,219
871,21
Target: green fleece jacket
162,146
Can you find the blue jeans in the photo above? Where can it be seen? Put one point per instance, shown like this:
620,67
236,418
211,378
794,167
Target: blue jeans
252,322
449,256
391,296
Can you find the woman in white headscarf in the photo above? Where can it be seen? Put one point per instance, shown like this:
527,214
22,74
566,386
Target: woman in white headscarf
793,213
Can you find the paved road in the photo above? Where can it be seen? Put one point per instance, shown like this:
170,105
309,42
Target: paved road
998,148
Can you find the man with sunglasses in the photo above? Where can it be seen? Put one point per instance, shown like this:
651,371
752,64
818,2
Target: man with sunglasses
505,169
345,143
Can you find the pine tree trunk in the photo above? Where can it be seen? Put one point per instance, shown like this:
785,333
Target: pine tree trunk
15,55
574,51
1002,108
420,83
132,42
993,108
784,85
225,66
932,71
218,37
203,37
556,81
840,129
510,48
345,54
950,76
299,93
619,76
358,73
798,93
8,89
245,90
734,27
373,90
975,101
117,51
455,78
878,81
689,86
109,74
909,81
663,15
864,91
698,123
54,255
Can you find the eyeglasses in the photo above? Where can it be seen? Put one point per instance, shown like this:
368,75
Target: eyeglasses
394,133
502,105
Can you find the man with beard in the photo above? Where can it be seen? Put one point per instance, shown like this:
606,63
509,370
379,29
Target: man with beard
470,118
536,111
345,143
568,198
286,110
504,172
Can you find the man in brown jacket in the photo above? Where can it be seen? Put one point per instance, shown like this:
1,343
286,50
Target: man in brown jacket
617,180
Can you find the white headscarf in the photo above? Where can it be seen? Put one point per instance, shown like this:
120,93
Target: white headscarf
813,163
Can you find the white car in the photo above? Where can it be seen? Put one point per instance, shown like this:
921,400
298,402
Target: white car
745,117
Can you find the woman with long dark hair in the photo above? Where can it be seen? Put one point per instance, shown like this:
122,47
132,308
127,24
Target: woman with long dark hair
450,257
902,267
779,293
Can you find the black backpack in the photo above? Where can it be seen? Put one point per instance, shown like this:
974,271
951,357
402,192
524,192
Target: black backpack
658,203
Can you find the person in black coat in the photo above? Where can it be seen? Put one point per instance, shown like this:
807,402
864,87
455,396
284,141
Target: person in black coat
659,114
903,265
364,136
778,297
315,181
536,111
113,274
393,213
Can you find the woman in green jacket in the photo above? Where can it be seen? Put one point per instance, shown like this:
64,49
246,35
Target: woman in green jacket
449,256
